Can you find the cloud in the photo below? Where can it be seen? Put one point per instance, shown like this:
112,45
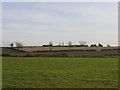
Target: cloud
61,21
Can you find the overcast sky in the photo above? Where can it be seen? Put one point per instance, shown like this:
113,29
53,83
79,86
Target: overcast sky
39,23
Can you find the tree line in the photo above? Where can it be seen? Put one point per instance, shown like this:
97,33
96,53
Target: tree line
19,45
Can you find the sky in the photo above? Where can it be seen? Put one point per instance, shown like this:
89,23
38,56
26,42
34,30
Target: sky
37,23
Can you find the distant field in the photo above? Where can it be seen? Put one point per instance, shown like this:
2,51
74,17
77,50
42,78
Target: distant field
38,72
30,49
62,52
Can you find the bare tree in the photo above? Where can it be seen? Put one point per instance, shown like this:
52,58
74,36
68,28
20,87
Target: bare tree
50,44
59,44
69,43
11,45
19,45
82,43
62,43
100,45
108,45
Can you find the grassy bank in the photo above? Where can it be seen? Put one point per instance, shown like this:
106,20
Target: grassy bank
38,72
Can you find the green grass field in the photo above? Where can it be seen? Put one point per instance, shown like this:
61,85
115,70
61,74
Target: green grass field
37,72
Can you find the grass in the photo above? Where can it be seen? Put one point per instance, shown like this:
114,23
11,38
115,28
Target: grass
37,72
